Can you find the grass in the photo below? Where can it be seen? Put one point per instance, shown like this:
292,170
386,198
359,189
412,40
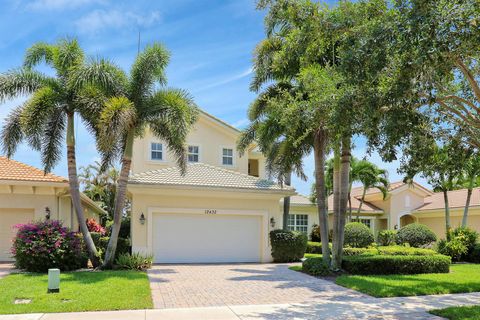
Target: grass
79,291
312,255
295,268
459,313
462,278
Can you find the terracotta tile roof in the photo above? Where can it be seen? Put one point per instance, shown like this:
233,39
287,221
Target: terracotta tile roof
456,199
14,170
355,196
300,199
204,175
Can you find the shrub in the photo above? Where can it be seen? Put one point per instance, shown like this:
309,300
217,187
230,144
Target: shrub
288,246
359,251
454,248
474,255
466,235
399,264
416,235
316,247
387,237
315,234
358,235
315,267
133,261
41,245
101,242
405,251
94,226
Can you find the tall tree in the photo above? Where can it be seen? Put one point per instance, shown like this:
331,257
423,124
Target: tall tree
470,178
47,118
141,101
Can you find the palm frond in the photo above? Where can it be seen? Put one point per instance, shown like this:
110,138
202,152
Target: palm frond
22,82
12,135
148,68
116,120
38,109
99,72
69,55
247,137
175,113
89,103
38,53
52,139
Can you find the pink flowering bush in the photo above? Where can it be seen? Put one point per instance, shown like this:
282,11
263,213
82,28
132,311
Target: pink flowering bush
94,226
41,245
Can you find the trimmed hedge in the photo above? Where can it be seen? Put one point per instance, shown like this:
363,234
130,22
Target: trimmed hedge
399,264
388,250
358,235
315,247
288,246
416,235
315,267
387,237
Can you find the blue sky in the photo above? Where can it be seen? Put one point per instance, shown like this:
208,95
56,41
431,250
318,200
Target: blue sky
211,43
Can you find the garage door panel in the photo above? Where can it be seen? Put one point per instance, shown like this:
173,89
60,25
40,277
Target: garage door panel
194,238
8,219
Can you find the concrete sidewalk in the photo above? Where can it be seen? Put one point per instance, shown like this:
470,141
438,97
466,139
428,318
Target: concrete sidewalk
404,308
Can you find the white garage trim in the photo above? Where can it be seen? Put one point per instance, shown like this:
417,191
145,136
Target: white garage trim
211,211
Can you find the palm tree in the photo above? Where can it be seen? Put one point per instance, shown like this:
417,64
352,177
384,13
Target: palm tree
371,176
48,116
267,129
141,101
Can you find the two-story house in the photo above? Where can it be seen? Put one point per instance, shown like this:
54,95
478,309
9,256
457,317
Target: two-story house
221,210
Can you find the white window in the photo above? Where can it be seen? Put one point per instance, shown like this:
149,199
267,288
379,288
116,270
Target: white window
156,151
298,222
407,201
227,157
367,222
193,154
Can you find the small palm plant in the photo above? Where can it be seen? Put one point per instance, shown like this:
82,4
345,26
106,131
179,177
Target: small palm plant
47,118
371,176
141,101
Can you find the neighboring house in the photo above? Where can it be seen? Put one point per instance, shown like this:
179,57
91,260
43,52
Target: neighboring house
221,210
404,204
27,193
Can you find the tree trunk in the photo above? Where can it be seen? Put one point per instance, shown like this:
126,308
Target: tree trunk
350,201
447,214
467,205
361,202
339,224
319,152
286,201
119,202
75,192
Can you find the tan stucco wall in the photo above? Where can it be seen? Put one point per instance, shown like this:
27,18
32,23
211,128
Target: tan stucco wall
209,136
398,207
145,199
435,220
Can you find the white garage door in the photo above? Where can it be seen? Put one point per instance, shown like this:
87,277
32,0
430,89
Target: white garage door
196,238
8,219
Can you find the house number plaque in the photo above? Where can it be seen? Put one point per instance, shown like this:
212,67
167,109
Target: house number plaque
210,211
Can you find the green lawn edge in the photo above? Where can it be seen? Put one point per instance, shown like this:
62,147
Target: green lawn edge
458,313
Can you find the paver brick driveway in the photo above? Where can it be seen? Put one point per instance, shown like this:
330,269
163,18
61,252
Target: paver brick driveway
186,286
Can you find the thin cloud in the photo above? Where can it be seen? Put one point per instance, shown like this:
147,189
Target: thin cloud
227,80
100,20
60,4
241,123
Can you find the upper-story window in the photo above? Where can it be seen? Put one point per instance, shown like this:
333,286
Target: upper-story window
407,201
227,157
193,154
156,151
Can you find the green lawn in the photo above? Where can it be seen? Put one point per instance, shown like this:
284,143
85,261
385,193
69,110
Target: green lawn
79,291
312,255
462,278
459,313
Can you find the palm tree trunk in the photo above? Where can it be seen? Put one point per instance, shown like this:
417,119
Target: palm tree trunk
350,202
467,205
447,214
339,229
286,201
75,191
119,201
361,202
319,152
